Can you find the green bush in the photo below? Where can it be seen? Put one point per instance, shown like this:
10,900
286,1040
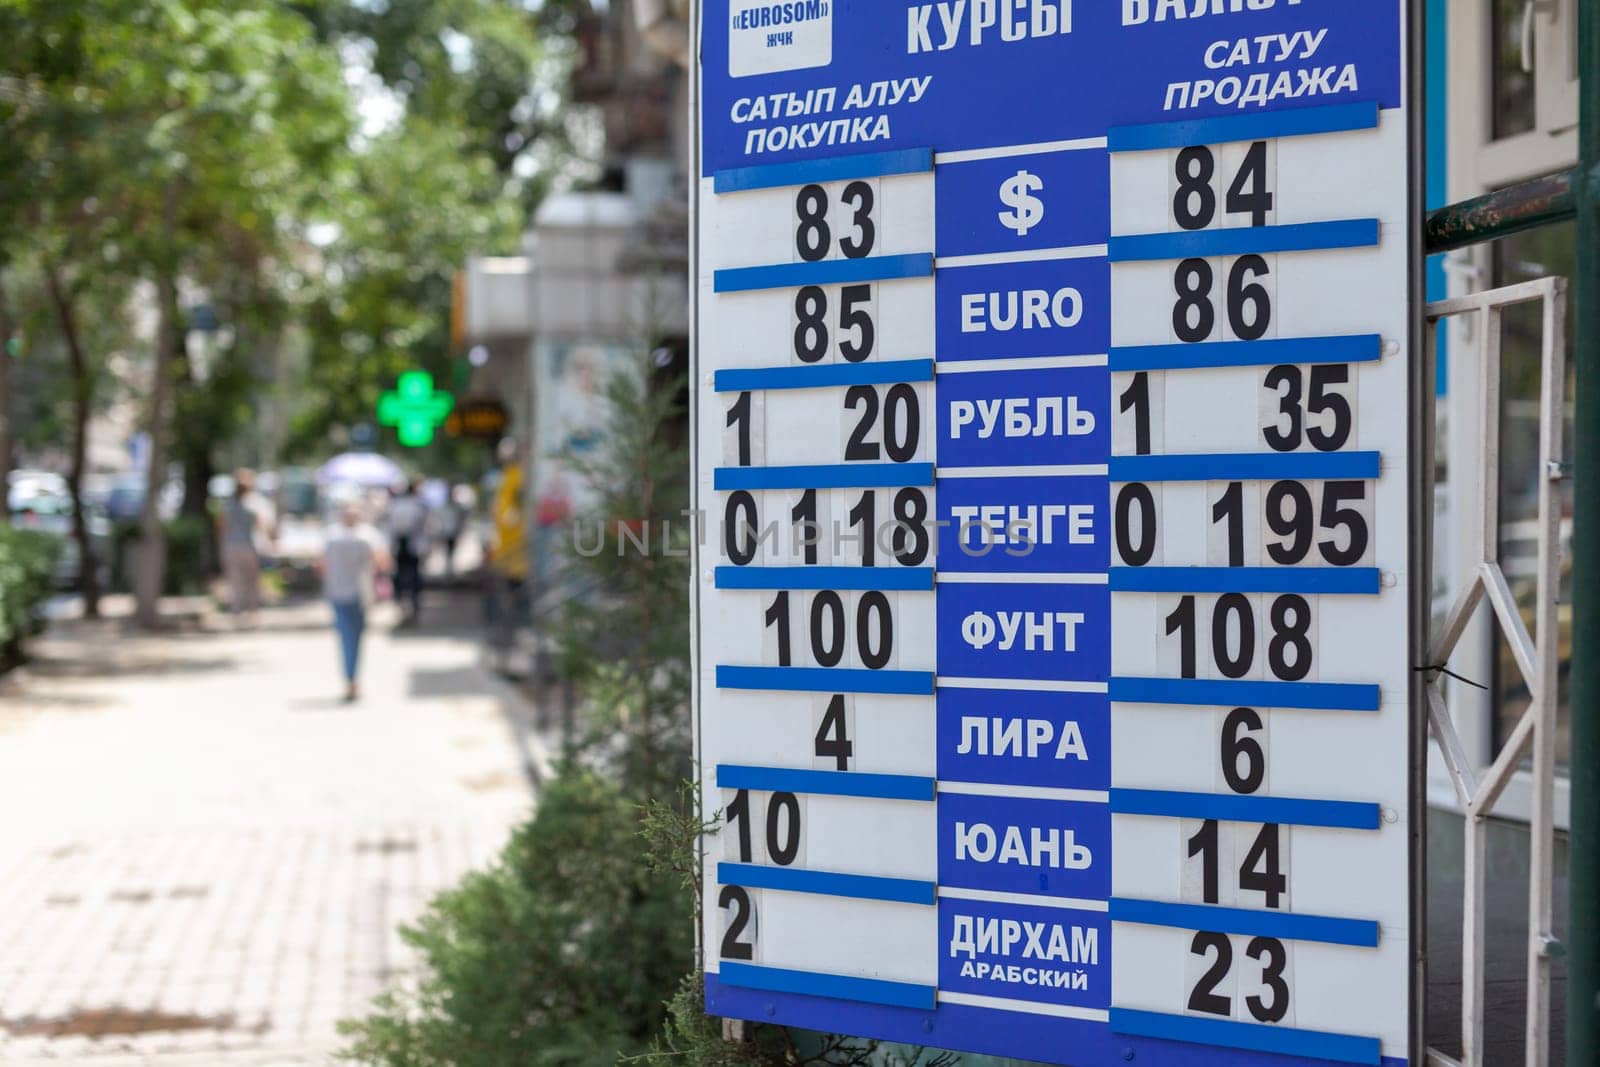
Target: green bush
188,555
27,572
560,953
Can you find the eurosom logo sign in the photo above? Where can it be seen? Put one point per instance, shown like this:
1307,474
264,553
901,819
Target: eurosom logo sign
766,36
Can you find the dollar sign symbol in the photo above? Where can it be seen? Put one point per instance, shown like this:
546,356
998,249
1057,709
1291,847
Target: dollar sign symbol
1027,210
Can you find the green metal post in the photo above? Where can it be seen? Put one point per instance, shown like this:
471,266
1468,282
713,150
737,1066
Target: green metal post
1583,975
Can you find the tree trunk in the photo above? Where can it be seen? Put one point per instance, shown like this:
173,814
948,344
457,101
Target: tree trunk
82,404
6,436
191,446
151,572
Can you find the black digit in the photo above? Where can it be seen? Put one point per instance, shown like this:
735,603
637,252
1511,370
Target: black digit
1136,398
833,739
1230,509
864,515
1289,515
1237,744
902,422
1290,635
783,846
732,947
1135,495
827,628
858,446
1319,398
1192,284
1262,870
812,238
778,616
910,538
859,196
1196,165
874,630
811,329
804,526
851,317
739,528
1204,997
739,416
1289,383
1204,845
1272,976
1335,494
1286,381
1249,193
1181,622
1243,293
1238,606
739,810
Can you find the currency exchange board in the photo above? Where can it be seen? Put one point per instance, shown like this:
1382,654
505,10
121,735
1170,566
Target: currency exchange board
1051,409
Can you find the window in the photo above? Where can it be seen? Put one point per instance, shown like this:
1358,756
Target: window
1521,99
1511,74
1522,257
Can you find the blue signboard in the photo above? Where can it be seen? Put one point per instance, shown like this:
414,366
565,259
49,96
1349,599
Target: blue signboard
1052,606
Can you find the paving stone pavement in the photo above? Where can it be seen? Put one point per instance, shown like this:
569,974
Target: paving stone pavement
205,856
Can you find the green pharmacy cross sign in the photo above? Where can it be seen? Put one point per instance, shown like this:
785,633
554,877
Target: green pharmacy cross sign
415,409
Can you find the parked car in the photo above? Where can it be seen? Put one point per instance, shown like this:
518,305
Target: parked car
40,500
124,499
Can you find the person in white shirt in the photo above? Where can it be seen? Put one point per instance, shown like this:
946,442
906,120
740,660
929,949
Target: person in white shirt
352,555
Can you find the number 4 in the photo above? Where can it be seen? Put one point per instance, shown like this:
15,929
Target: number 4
833,738
1249,194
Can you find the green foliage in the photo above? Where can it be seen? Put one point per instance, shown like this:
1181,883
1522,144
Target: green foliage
188,543
556,955
625,638
27,569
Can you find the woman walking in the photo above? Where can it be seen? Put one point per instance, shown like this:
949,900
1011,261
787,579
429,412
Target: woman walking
352,554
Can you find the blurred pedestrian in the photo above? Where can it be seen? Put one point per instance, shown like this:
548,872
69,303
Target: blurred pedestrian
244,524
452,518
352,556
408,537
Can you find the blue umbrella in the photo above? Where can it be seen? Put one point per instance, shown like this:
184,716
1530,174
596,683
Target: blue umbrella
366,469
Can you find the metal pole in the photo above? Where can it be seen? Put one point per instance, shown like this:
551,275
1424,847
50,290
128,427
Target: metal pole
1583,974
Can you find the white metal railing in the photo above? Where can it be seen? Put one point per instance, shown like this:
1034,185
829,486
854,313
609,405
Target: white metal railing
1536,657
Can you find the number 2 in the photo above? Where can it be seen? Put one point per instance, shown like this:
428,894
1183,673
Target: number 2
743,913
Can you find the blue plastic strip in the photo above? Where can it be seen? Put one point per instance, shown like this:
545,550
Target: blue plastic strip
1207,692
835,986
826,680
855,579
836,169
1356,348
1362,933
825,883
825,783
1257,1037
1328,580
1243,466
831,476
1336,118
826,272
1297,237
1231,807
824,375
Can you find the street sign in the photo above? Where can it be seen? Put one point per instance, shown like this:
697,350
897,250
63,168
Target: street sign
1052,435
415,409
485,419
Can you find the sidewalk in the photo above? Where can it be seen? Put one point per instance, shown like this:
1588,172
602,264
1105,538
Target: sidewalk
204,855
